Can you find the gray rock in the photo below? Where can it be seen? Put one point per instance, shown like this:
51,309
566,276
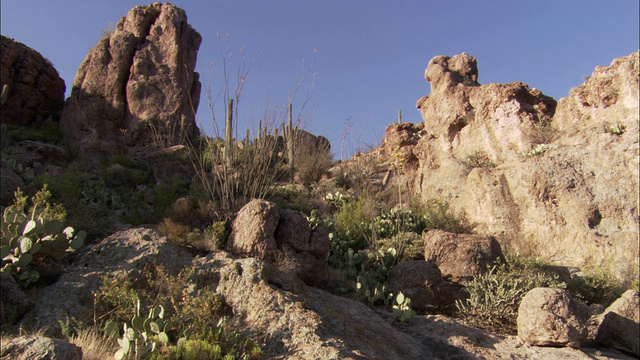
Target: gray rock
13,302
548,317
40,348
620,326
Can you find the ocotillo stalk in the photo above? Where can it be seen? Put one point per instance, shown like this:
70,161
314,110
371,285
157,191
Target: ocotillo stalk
228,130
399,116
259,129
290,142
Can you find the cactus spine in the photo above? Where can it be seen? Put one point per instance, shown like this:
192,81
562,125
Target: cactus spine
228,130
290,142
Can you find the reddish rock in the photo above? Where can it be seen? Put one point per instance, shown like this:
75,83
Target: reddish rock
36,91
137,86
461,256
423,283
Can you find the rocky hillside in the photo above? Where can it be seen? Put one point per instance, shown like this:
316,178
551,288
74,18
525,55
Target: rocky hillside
415,250
559,181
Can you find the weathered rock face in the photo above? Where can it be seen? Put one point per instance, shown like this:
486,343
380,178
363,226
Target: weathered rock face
127,252
548,317
465,117
40,347
620,326
461,256
423,283
558,203
137,86
305,143
282,237
36,91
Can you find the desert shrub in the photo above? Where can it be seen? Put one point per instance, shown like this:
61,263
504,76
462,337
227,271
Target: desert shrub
351,221
478,159
543,132
48,132
174,231
310,167
218,233
438,215
494,297
596,286
409,245
201,316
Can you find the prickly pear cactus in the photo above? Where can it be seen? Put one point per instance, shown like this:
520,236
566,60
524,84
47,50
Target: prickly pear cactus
402,309
25,237
139,340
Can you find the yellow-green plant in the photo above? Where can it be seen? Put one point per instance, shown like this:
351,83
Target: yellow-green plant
402,308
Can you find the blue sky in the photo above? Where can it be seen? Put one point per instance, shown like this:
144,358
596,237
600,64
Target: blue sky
371,55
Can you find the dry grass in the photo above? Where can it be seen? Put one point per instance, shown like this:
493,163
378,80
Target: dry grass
94,345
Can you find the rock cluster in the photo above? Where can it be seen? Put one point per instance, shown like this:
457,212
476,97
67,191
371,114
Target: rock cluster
530,173
281,237
137,86
36,91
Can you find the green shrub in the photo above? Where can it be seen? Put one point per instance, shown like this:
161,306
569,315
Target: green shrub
494,297
351,219
438,215
596,286
478,159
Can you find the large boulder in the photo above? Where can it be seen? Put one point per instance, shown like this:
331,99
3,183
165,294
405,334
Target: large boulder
36,91
40,348
532,174
137,86
282,237
423,283
549,317
620,326
461,256
127,253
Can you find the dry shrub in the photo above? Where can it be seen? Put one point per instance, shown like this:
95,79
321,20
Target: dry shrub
173,230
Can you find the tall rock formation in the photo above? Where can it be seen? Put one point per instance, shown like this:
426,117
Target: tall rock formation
137,86
559,182
36,91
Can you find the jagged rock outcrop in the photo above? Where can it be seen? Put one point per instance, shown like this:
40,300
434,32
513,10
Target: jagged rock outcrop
9,183
36,91
548,317
573,199
282,237
137,86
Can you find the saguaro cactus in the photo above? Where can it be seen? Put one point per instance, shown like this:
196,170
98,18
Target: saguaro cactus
290,142
399,116
228,131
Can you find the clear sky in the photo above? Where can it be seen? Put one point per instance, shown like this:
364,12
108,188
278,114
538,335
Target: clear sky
371,55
